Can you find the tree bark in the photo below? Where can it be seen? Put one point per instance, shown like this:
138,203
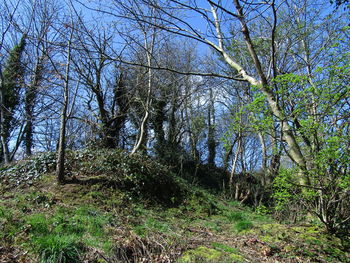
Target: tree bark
211,131
5,149
294,149
29,101
142,131
62,139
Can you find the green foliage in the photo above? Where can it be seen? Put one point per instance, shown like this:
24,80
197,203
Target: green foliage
234,216
12,76
63,236
243,225
260,117
241,219
317,107
210,255
9,226
27,171
39,224
262,210
55,248
138,174
309,242
283,188
200,204
224,248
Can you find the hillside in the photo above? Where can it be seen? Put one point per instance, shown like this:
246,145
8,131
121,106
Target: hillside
117,208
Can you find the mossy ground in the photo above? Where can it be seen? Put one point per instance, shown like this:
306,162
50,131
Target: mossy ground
92,219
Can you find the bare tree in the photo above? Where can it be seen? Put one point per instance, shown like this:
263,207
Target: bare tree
43,14
64,112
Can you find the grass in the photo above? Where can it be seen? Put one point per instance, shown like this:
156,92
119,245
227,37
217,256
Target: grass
98,222
64,235
234,216
58,248
243,225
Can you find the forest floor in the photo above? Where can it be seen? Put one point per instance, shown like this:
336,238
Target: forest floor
91,219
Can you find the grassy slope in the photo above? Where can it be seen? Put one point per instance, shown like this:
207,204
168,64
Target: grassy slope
121,209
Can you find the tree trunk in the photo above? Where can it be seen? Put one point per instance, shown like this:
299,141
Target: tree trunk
62,139
122,100
29,104
158,121
142,131
264,157
234,165
28,130
294,149
211,131
5,149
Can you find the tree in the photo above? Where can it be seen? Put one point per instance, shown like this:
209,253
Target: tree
41,16
64,112
262,62
149,36
105,82
11,83
211,129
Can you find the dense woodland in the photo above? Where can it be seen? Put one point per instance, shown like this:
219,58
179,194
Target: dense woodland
250,99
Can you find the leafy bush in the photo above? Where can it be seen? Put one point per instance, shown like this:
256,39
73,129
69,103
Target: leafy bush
287,197
27,171
327,197
139,174
262,210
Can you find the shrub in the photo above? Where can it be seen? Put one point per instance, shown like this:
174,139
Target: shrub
27,171
138,174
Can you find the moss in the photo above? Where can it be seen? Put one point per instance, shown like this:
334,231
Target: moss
236,258
200,253
219,254
213,226
225,248
300,229
272,232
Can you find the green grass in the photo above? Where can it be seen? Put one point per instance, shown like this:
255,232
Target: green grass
62,236
224,248
243,225
56,224
234,216
58,248
39,224
10,226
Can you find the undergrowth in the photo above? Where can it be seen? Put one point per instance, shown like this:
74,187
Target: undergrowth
121,209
